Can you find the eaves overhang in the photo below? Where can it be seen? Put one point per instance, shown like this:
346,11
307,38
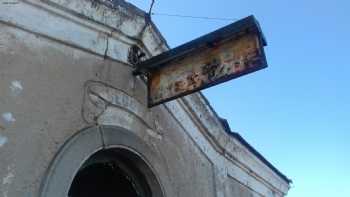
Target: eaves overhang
251,149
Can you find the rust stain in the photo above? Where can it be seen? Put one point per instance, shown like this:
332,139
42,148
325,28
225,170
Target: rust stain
207,67
2,128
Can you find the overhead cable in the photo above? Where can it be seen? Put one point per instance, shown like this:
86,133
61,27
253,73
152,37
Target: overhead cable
193,17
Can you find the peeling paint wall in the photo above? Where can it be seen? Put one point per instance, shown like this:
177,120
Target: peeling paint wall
64,67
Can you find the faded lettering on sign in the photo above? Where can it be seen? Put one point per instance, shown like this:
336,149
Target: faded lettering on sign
209,66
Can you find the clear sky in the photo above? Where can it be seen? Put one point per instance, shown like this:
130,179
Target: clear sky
297,111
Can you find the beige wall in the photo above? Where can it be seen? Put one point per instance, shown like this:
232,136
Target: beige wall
47,54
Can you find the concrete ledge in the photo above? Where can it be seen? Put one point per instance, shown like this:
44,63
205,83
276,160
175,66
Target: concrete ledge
94,34
214,146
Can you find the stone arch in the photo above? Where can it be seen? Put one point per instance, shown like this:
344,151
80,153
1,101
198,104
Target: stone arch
96,148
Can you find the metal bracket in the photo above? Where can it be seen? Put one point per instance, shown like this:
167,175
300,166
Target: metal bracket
135,55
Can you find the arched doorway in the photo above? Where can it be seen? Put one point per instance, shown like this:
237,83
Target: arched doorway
92,164
113,172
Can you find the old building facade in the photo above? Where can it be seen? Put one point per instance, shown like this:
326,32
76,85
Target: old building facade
74,120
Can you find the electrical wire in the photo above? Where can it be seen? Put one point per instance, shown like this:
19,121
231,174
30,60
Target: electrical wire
194,17
151,7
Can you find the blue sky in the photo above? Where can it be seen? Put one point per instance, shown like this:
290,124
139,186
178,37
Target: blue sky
297,111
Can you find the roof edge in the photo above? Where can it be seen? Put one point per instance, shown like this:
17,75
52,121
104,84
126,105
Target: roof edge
140,12
238,137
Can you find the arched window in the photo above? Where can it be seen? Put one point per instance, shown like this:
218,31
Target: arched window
112,172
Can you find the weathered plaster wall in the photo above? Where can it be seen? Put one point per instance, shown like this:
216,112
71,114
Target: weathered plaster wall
63,68
47,111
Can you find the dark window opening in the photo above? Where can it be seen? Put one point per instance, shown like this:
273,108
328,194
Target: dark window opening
109,175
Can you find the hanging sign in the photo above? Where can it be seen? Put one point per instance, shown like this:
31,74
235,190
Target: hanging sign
222,55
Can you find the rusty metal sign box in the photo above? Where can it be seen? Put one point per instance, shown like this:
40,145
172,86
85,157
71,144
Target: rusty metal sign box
225,54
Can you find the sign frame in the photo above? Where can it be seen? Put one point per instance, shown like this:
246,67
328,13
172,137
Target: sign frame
246,26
